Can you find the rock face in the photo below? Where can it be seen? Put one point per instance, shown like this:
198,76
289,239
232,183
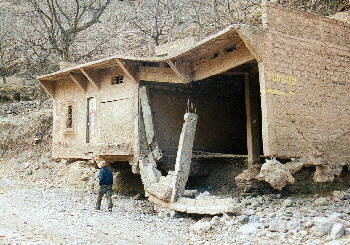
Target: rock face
276,174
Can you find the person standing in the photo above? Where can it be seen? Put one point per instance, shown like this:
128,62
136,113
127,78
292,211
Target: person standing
105,177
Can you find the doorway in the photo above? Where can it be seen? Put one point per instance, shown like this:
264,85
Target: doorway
91,119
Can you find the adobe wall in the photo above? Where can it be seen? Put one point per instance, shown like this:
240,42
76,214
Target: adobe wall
221,114
305,85
114,119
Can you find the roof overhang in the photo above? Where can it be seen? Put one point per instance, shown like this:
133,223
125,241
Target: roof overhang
180,62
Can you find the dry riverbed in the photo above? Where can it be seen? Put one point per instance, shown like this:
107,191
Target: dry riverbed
36,214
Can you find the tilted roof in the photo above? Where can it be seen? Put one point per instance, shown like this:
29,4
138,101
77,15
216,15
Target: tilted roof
199,50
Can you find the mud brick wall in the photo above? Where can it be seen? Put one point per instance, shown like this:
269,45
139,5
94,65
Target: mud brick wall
305,85
114,118
221,115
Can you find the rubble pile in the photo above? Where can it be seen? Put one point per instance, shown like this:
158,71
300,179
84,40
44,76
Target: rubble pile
291,220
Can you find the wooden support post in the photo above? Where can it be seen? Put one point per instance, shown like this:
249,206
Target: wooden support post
130,68
94,79
79,80
253,142
49,87
183,70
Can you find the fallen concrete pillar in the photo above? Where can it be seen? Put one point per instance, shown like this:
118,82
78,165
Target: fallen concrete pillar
184,156
148,123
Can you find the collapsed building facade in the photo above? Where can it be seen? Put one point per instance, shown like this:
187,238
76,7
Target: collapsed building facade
279,90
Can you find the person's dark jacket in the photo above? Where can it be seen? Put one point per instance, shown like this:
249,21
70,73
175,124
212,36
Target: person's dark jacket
105,176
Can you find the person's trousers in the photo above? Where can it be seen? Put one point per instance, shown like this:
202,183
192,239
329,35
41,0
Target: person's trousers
105,190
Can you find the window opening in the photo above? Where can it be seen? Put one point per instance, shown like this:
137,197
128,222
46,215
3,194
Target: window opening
150,64
229,49
215,55
69,121
117,80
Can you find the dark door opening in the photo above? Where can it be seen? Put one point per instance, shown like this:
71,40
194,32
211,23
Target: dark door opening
90,119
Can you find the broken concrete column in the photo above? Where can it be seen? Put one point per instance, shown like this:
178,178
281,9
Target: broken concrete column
152,179
148,123
184,156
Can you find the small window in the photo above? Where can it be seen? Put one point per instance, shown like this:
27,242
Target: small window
69,119
230,49
215,55
117,80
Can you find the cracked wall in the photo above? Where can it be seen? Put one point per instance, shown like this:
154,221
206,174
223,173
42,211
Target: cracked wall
114,118
305,78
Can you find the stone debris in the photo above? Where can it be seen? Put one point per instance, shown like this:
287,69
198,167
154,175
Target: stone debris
276,174
337,231
341,195
26,165
201,227
326,173
320,201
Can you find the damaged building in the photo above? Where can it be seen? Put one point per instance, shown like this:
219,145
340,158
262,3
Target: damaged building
275,91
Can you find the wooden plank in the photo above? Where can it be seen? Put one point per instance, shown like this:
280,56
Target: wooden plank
94,79
79,80
130,68
183,70
49,87
253,142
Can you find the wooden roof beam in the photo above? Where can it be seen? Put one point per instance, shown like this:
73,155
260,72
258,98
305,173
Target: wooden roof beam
79,80
93,78
49,87
183,70
130,68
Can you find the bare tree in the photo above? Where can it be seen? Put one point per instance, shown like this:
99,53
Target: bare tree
9,56
225,12
57,25
323,7
154,19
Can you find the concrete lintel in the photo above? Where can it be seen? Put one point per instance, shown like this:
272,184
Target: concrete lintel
183,70
130,68
92,78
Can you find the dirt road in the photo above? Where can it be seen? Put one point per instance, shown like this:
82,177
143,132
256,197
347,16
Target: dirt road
39,215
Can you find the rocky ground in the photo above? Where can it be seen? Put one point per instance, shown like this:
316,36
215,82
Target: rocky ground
42,213
51,202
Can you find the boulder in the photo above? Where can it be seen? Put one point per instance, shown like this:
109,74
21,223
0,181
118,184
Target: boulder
215,221
278,225
341,195
276,174
320,201
337,231
323,226
201,227
249,229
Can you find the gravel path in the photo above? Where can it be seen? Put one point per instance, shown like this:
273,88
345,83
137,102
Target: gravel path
36,215
33,214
